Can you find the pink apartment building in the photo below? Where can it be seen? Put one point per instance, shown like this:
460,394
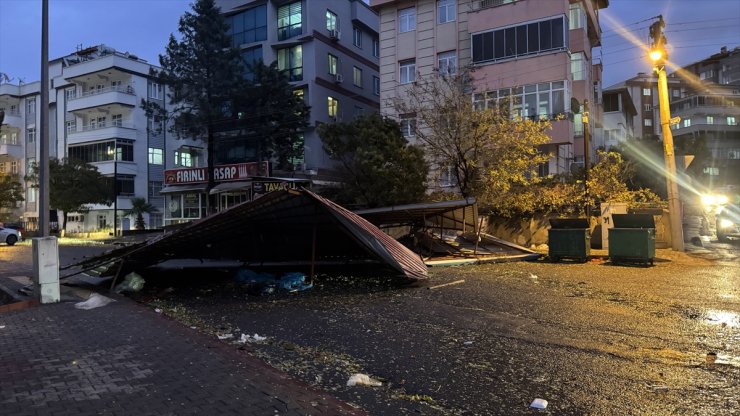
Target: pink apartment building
539,52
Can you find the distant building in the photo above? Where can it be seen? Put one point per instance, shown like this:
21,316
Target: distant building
619,116
537,52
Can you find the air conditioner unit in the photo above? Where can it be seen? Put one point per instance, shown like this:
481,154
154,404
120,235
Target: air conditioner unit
334,34
338,78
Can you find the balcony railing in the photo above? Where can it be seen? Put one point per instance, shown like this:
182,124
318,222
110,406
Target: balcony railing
13,113
486,4
98,126
126,89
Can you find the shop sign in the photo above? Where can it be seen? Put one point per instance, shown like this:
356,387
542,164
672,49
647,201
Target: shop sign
221,173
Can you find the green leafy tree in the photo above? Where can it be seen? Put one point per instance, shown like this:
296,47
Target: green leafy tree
379,166
11,193
272,115
139,207
492,155
202,71
73,185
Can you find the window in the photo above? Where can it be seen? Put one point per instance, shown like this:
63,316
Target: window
103,151
578,66
407,19
332,64
731,121
69,93
359,111
116,120
31,106
646,92
155,156
71,126
31,135
250,57
521,40
14,167
357,37
183,158
333,107
534,101
578,124
648,122
408,71
31,194
155,220
289,20
687,122
648,107
710,120
125,184
357,76
711,171
446,176
376,47
331,21
154,188
576,16
447,63
248,26
408,126
291,61
446,11
155,91
611,102
376,86
102,222
155,125
676,93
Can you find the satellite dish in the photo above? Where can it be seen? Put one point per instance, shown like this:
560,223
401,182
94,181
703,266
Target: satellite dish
575,106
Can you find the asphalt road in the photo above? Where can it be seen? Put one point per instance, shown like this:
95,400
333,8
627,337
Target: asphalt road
591,338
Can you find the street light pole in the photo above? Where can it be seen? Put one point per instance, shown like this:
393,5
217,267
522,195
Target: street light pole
586,157
659,57
43,206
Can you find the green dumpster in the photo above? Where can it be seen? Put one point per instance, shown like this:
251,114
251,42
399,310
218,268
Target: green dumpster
632,240
569,238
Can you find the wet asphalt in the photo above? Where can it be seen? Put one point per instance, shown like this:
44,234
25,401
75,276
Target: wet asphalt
591,339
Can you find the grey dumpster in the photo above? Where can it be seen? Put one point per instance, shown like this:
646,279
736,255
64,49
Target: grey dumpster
569,238
632,240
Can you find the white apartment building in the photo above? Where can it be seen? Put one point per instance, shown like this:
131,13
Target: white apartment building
96,115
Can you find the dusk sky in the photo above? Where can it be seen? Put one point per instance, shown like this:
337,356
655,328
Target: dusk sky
695,29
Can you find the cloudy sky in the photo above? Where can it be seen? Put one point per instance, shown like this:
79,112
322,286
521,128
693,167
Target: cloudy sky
695,29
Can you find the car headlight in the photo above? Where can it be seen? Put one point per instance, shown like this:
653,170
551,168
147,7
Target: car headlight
725,223
708,200
722,200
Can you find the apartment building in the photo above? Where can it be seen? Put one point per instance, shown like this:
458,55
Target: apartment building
643,89
619,116
95,115
536,54
328,48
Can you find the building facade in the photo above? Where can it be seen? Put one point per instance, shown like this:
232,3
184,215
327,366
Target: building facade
96,116
537,54
328,48
619,116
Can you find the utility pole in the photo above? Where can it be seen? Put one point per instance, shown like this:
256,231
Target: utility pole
43,206
659,56
586,157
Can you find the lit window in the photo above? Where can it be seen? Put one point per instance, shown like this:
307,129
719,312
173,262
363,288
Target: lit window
183,159
446,11
731,121
646,91
357,76
357,37
648,122
155,156
407,19
331,21
289,20
407,71
290,60
333,60
710,120
447,63
578,66
687,122
333,107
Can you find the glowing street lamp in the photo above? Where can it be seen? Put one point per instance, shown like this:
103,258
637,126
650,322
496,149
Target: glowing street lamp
659,57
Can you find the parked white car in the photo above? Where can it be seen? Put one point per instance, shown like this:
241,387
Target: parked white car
9,235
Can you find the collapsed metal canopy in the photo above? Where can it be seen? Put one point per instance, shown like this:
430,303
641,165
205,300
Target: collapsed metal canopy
283,228
461,214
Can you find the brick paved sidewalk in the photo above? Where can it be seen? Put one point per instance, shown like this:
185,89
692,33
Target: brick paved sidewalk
125,359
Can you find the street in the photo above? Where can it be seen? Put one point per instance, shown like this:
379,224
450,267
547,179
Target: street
589,338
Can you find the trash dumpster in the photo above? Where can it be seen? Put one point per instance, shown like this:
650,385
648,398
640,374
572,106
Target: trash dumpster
569,238
632,239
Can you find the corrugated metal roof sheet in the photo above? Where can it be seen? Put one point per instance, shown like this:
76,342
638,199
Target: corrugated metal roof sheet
459,214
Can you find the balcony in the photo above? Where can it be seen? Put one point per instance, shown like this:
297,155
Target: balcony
100,132
12,149
121,94
13,118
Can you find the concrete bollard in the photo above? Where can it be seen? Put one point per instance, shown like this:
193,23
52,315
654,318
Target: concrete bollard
46,269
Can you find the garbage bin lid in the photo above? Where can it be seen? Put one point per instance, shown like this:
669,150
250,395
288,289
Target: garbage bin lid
633,221
569,223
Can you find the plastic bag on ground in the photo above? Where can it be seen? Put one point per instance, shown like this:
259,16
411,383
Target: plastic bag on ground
363,380
94,301
294,282
133,282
